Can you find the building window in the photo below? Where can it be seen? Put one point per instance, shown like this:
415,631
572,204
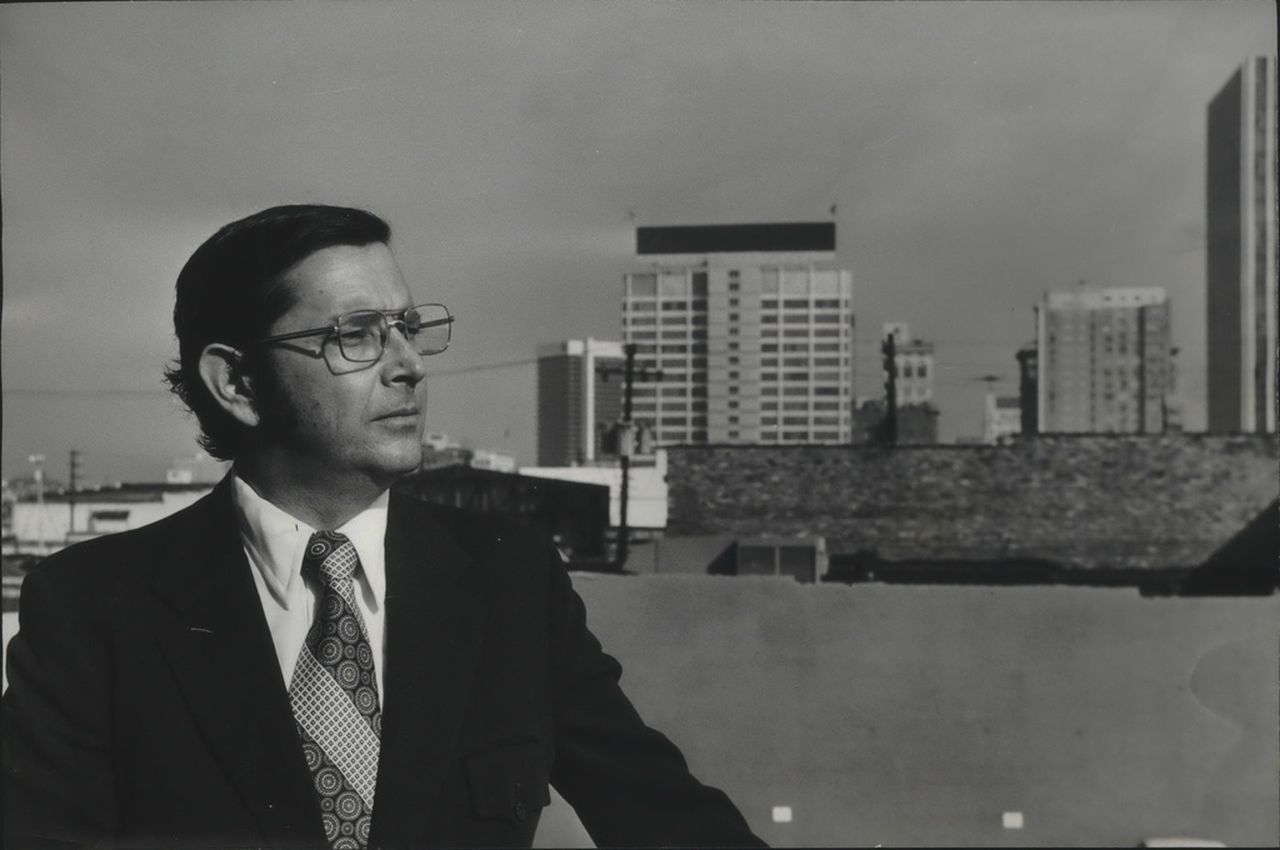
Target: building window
700,284
733,286
644,284
733,302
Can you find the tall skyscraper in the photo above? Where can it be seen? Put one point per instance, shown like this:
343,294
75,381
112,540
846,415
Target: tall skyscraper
1104,361
579,398
1240,207
752,328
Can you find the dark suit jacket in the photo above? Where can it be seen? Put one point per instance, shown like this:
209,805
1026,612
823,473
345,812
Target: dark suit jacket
146,706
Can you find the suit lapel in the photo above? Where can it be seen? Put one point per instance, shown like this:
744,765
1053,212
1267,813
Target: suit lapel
216,640
436,614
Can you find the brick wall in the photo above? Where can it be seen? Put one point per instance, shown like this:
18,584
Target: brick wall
1082,501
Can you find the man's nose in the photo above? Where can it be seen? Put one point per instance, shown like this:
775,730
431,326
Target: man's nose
403,362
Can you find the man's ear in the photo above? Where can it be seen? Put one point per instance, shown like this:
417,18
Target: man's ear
223,373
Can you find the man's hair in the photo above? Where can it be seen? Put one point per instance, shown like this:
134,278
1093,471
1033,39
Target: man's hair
230,292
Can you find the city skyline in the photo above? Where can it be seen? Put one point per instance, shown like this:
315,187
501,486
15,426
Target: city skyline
973,157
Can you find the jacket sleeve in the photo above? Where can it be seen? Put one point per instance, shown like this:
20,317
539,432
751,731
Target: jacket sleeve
628,783
58,781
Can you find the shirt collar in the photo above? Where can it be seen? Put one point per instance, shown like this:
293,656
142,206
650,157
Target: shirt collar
276,541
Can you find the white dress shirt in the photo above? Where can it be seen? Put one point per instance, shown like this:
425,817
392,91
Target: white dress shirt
275,543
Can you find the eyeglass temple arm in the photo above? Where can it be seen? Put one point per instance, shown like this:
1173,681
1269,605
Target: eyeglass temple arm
296,335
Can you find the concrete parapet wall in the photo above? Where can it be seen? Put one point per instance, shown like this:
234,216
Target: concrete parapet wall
919,715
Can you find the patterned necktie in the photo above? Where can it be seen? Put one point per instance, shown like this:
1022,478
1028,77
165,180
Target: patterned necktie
334,694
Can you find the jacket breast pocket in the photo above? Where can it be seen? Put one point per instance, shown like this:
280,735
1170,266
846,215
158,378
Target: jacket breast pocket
509,782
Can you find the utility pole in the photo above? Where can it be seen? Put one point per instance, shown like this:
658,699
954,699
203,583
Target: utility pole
74,478
890,430
627,440
38,475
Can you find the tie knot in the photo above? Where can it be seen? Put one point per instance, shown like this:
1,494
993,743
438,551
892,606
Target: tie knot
331,556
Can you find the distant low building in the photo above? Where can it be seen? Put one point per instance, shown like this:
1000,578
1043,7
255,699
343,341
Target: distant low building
917,423
647,489
64,518
803,558
199,468
1028,388
1001,419
914,360
573,514
440,450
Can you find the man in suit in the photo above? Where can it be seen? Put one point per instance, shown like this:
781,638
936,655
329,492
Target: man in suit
301,658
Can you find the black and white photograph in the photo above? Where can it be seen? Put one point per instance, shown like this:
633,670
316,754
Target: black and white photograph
689,423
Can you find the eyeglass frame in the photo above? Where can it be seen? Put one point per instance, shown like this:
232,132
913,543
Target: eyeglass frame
390,319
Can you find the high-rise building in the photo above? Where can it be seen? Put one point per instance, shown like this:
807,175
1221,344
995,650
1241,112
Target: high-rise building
1104,361
1240,202
752,329
579,398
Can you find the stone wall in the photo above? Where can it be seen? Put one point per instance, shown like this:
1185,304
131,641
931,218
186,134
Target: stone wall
1119,502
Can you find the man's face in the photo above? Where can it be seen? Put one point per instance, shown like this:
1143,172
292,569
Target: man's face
355,421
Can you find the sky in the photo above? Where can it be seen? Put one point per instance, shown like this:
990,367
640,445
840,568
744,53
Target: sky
978,155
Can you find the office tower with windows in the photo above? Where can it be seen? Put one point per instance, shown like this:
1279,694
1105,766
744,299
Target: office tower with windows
751,327
1240,201
579,399
1104,361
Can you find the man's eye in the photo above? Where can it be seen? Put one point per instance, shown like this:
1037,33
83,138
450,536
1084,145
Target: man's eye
350,337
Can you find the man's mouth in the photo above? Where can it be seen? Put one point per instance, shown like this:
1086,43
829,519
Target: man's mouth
402,413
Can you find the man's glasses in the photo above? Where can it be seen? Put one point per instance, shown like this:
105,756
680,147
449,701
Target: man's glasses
361,335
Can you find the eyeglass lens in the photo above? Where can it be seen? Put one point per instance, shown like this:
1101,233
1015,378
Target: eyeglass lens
362,335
